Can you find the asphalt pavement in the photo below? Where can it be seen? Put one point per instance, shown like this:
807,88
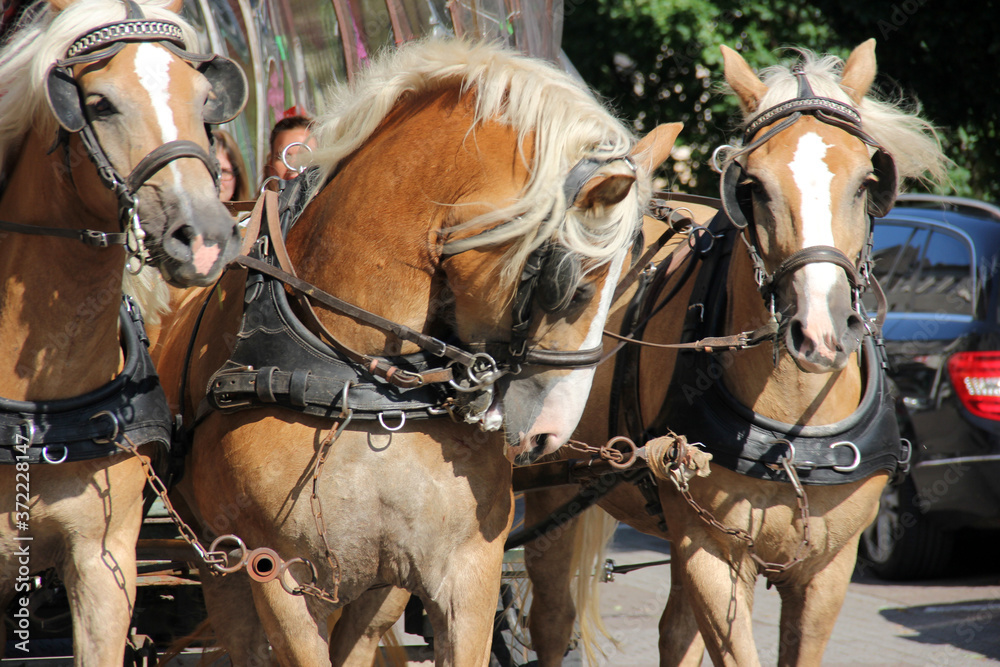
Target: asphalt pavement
940,623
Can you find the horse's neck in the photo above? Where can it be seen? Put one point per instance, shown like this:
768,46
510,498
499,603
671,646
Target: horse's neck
59,299
783,391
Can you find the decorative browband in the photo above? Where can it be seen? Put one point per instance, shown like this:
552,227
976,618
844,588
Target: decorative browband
135,30
844,111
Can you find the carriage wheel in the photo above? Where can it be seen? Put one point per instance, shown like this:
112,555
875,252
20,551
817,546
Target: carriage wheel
902,542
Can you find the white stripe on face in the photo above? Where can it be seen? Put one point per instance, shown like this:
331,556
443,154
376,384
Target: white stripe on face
813,177
152,66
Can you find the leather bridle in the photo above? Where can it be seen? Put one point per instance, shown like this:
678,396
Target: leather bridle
736,197
63,94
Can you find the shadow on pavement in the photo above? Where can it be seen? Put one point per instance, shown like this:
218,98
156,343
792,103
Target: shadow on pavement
971,625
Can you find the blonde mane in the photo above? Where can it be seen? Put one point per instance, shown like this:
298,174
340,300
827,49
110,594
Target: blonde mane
42,37
528,95
911,140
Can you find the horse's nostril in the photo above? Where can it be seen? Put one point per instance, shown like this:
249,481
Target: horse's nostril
797,335
184,235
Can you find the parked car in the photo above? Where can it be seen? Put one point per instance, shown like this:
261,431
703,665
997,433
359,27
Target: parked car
938,258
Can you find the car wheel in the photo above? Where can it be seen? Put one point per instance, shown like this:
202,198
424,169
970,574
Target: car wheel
902,543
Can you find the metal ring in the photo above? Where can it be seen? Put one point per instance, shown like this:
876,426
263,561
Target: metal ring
284,569
791,449
686,231
478,383
857,456
694,236
48,459
31,431
632,454
263,186
714,160
346,411
243,553
114,422
284,156
402,421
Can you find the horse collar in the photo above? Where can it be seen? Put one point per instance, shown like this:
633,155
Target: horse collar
89,426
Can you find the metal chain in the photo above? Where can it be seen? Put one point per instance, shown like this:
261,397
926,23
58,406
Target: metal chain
705,515
218,561
214,559
317,507
615,457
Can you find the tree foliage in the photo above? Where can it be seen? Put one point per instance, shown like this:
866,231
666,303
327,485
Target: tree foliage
659,61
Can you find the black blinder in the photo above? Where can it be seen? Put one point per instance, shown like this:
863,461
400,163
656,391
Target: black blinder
882,195
558,280
736,199
64,98
229,89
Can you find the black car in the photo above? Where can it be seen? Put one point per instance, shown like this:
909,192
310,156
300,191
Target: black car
938,259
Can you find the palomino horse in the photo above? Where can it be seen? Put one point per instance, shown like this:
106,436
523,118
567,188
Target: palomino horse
112,85
484,203
802,431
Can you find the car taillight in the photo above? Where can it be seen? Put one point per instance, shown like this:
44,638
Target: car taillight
976,379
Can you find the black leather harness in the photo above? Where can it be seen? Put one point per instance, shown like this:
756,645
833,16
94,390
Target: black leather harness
700,407
88,426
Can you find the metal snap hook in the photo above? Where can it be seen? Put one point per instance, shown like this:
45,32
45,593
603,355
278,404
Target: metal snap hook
114,422
857,456
402,421
49,459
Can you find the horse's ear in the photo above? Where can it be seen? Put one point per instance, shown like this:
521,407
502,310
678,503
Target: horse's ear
859,71
655,147
742,79
608,186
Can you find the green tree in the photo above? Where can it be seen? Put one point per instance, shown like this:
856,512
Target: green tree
659,61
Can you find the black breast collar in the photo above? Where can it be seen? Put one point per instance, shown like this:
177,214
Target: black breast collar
277,360
701,408
88,426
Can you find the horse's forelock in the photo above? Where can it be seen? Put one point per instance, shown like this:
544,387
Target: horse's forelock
564,118
41,39
911,140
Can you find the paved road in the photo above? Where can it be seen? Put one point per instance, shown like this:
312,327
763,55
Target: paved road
939,623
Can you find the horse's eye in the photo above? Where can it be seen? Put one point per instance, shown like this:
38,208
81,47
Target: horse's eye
869,182
583,294
100,107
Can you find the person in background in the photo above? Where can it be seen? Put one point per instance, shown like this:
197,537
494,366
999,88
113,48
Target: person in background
234,182
292,129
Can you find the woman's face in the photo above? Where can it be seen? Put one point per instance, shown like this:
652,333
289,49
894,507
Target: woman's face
227,182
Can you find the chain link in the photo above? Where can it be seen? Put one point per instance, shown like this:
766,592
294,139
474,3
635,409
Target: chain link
218,561
769,569
607,452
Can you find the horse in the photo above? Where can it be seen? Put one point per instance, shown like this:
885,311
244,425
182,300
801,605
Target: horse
104,160
357,388
787,431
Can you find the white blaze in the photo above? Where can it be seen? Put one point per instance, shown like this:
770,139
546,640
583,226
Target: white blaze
152,66
813,178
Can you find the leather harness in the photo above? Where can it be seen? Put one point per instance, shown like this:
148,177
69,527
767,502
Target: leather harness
88,426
